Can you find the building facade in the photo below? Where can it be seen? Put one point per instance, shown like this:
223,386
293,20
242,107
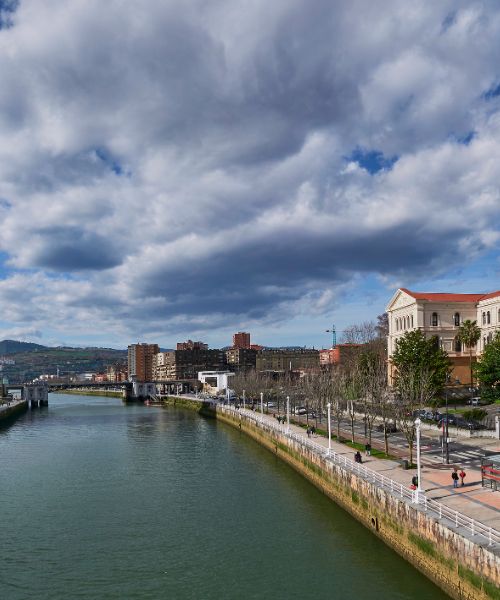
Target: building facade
177,365
140,361
339,354
190,345
441,315
241,360
241,340
287,359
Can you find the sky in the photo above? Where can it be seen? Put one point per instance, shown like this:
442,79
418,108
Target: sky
174,170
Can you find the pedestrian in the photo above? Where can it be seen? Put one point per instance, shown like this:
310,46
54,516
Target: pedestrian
454,476
357,457
313,430
368,449
308,430
414,482
462,477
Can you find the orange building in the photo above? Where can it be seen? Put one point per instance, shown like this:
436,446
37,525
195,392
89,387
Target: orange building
140,361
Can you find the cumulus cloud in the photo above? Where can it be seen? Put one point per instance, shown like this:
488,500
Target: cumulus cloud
201,165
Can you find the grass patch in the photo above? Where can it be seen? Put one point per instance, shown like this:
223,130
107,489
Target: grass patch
422,544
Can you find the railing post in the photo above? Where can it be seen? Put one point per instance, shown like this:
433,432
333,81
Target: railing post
472,527
491,543
440,511
401,490
456,519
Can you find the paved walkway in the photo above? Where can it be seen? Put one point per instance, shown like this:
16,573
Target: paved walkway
471,500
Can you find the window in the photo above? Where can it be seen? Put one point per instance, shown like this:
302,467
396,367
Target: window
434,319
499,315
456,319
412,319
458,345
488,319
490,337
484,318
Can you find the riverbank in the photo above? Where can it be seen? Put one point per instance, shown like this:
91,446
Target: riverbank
463,562
10,411
85,392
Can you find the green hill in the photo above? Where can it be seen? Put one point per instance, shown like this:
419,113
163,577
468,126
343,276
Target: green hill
12,347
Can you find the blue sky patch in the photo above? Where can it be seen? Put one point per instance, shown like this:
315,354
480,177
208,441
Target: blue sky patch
7,8
493,92
108,159
372,161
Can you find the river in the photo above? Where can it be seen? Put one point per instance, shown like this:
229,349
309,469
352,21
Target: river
102,500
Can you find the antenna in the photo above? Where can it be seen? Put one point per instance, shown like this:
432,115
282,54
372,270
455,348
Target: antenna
334,335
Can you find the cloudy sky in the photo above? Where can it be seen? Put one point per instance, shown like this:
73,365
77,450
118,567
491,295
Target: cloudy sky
188,169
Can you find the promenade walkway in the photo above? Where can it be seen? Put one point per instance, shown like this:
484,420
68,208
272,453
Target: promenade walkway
472,500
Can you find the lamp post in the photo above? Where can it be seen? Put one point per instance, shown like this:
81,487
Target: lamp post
287,414
243,399
262,403
328,406
418,422
445,428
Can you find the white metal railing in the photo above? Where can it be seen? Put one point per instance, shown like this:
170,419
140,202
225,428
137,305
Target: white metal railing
432,507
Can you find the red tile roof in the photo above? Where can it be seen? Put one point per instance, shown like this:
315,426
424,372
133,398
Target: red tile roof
490,295
440,297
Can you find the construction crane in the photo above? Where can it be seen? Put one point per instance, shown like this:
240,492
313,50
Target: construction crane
334,335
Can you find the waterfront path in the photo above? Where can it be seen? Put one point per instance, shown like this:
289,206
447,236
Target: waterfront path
472,509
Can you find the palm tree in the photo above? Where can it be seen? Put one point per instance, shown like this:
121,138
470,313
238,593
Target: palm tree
469,334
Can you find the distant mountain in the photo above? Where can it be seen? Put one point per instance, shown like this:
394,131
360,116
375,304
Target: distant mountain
12,347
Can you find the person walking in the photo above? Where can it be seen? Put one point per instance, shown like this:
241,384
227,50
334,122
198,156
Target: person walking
462,477
454,476
414,482
368,449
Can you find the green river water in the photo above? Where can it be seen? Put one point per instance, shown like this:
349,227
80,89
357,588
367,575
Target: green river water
103,500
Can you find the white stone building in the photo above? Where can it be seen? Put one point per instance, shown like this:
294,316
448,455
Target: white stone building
441,315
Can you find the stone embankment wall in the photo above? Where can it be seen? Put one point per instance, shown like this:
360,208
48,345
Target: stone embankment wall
84,392
16,408
465,569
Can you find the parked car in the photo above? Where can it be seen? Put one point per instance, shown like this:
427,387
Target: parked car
452,420
476,401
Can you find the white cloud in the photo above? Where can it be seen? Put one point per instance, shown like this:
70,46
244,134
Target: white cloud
189,165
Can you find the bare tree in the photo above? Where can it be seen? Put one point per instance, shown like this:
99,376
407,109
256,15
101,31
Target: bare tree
361,333
414,389
373,377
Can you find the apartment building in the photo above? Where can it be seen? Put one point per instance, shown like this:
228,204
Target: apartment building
441,315
287,359
140,361
190,345
241,340
177,365
241,359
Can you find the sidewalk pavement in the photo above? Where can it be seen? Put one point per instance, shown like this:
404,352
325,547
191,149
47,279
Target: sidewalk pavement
472,500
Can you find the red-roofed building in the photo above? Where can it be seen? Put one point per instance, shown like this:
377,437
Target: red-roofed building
440,315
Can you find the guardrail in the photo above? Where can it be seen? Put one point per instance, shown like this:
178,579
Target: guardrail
432,507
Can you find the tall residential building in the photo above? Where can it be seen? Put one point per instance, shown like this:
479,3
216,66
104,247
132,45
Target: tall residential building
190,345
140,361
177,365
287,359
441,315
241,359
241,340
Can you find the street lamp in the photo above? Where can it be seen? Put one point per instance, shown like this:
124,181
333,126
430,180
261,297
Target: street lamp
287,414
418,422
262,403
328,406
445,428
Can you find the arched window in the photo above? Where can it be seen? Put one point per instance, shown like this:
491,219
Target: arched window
490,337
406,322
456,319
458,345
484,342
499,315
434,319
412,319
484,318
488,319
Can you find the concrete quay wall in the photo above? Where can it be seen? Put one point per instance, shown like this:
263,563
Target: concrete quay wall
12,411
463,568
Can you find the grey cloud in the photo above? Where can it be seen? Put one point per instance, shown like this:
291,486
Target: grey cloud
125,132
73,249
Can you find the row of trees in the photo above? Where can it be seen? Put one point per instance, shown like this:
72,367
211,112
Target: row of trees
360,386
